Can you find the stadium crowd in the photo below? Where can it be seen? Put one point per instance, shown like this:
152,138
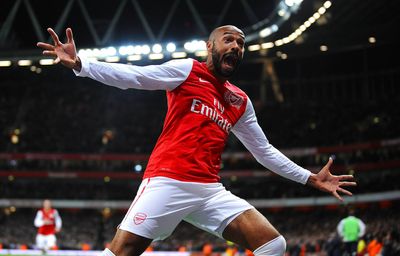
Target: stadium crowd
123,189
78,115
230,161
94,229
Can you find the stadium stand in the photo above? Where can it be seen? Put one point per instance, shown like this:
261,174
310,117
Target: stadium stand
298,224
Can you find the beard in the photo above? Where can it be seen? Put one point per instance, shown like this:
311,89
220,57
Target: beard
217,60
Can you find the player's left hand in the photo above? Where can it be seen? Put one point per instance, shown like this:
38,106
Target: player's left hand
325,181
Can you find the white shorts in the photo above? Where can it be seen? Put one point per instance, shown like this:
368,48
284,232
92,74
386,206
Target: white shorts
45,241
161,203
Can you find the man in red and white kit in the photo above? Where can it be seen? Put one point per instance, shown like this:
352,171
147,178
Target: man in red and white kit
48,222
181,180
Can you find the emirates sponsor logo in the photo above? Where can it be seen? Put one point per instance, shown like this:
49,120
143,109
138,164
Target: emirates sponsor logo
233,99
200,108
139,218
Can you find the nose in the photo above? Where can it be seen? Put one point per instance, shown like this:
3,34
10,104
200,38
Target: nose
235,48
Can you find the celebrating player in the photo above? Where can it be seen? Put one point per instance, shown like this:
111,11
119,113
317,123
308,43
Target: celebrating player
181,180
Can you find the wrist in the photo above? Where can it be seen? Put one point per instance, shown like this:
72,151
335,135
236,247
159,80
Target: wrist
78,64
312,180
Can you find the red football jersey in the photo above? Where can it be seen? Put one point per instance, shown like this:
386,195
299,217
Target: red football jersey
201,113
50,216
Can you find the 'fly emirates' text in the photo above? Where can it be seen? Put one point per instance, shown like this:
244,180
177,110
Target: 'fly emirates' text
212,113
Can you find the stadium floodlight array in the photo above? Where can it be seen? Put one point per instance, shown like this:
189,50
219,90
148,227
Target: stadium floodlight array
127,53
195,48
296,33
138,52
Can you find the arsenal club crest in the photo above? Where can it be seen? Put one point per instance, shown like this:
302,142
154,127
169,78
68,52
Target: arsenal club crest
139,218
233,99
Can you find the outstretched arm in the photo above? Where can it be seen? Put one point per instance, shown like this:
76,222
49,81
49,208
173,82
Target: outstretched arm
253,138
166,76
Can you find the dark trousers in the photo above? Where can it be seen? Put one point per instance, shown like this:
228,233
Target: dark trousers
350,248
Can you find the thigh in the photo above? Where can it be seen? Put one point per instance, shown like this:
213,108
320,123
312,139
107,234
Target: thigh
51,240
157,209
218,208
159,206
40,241
250,230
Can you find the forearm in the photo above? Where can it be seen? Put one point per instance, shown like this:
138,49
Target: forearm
275,161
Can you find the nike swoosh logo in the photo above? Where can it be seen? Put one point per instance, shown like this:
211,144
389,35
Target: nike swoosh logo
203,81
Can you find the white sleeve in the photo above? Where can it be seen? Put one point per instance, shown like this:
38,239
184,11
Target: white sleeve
38,219
361,224
166,76
58,219
340,228
249,132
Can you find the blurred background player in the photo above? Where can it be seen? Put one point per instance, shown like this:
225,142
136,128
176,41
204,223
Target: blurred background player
48,222
351,229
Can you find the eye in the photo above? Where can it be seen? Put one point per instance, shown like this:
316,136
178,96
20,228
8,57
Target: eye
228,40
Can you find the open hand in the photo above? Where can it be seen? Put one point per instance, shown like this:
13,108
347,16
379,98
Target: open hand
325,181
64,53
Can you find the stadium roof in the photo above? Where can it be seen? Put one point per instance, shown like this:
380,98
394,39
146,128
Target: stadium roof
347,24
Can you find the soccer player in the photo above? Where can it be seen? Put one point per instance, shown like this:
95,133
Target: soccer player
181,180
48,222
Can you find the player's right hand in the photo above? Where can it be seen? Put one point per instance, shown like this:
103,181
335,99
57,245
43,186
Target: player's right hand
64,53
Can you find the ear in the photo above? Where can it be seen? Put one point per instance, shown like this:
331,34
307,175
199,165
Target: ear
209,45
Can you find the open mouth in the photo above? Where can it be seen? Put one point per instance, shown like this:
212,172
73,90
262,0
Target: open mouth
230,60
